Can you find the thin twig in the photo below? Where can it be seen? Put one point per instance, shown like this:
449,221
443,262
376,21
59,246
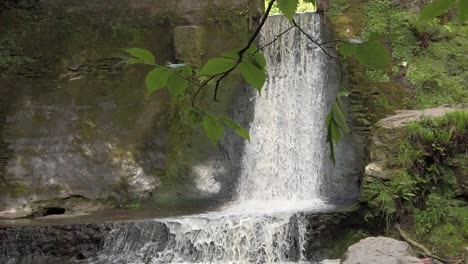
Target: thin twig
273,41
175,72
171,70
200,87
320,45
413,243
241,54
314,41
242,51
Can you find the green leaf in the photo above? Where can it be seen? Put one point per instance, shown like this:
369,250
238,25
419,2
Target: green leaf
435,9
254,75
232,54
176,85
347,49
372,54
132,61
240,131
331,131
217,66
335,132
141,54
343,92
339,118
462,11
156,79
213,128
259,60
288,8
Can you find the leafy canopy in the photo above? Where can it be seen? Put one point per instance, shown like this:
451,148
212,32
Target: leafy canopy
184,80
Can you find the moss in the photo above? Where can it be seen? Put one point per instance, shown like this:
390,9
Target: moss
439,73
449,237
347,238
19,190
11,57
336,8
425,182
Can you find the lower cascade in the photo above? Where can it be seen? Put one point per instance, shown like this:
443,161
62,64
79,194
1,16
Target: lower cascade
280,181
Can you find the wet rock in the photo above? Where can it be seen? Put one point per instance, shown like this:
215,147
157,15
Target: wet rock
75,122
73,243
380,250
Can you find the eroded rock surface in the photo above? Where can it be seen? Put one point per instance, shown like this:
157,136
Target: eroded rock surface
74,122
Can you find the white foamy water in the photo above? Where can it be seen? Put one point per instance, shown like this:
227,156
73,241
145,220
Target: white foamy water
281,173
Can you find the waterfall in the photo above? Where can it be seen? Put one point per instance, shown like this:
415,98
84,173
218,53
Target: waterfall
281,171
287,155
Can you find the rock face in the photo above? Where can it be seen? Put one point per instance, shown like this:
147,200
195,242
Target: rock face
72,243
380,250
387,134
402,117
409,260
76,123
136,241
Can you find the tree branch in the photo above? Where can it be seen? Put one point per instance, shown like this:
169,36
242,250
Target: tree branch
413,243
274,40
241,54
320,45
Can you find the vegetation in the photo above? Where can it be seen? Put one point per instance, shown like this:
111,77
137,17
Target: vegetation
303,6
184,80
425,191
430,54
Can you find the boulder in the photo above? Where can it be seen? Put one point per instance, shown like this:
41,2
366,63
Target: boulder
380,250
387,136
409,260
402,117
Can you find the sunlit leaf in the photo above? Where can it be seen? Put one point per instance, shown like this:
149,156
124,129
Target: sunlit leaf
259,60
252,54
343,92
232,54
176,84
213,128
156,79
347,49
132,61
217,66
141,54
288,8
254,75
435,9
240,131
372,54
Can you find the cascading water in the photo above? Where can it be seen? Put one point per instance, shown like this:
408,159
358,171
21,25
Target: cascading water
281,171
